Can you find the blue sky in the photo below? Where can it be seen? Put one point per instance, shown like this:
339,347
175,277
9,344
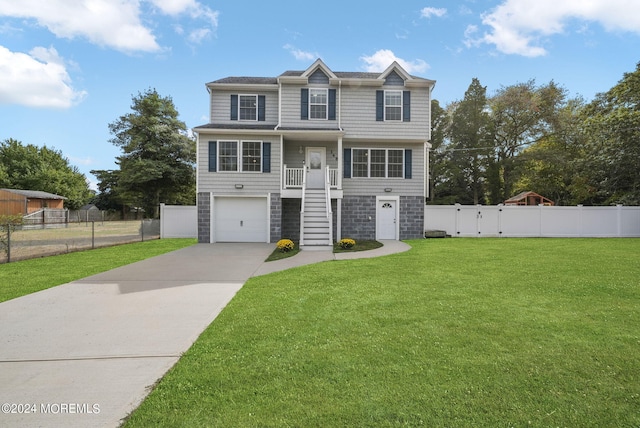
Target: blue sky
68,68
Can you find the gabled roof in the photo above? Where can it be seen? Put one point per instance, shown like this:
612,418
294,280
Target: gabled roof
301,76
319,65
35,194
524,197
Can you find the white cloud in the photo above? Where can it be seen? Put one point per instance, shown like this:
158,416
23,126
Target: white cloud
86,161
383,58
520,26
196,11
300,54
428,12
37,79
112,23
116,24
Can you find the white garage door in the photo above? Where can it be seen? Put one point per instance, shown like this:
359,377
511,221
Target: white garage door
241,219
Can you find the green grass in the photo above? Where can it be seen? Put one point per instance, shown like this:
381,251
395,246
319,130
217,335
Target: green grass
28,276
455,333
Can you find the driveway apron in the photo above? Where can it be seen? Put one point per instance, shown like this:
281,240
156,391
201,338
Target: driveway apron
86,353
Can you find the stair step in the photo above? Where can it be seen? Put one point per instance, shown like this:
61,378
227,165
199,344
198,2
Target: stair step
312,242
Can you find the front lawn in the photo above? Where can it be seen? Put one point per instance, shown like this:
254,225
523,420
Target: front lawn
28,276
455,332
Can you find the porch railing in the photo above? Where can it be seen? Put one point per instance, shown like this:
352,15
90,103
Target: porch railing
293,177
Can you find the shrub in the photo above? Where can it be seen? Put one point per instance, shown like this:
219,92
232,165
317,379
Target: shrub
347,243
285,245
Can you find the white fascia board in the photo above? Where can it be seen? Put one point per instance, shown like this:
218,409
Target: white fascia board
242,87
215,131
293,80
357,82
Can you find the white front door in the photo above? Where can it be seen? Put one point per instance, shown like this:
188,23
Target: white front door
386,219
316,161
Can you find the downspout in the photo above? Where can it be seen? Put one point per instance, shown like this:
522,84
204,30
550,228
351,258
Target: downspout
279,104
340,105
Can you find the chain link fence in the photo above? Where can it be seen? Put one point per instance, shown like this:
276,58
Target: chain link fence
31,241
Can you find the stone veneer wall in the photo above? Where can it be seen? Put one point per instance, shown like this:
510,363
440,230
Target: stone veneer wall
291,219
276,218
359,217
411,217
204,217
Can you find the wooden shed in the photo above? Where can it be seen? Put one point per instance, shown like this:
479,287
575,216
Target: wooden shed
23,202
528,198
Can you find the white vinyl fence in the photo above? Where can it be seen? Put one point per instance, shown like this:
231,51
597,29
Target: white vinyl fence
533,221
178,221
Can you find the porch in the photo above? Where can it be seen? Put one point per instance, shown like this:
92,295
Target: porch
311,163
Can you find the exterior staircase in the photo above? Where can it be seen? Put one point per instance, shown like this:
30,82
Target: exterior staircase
316,227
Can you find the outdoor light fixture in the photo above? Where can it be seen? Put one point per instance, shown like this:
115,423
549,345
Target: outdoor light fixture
300,149
239,186
388,189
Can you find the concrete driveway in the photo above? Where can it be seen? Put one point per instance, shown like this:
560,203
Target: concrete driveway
87,353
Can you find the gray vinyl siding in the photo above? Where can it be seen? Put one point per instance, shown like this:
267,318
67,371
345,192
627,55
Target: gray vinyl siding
223,183
291,109
318,77
359,115
221,107
294,159
394,79
400,186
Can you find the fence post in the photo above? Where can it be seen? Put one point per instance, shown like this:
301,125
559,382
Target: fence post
8,243
162,220
142,229
619,219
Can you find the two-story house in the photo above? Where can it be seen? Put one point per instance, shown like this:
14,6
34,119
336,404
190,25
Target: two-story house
314,156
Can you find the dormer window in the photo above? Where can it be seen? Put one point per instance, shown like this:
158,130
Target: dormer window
318,100
392,105
248,107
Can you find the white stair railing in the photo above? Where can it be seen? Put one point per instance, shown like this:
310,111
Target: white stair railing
304,191
327,193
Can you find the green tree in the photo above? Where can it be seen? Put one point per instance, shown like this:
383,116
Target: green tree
521,115
158,160
41,168
611,165
437,167
551,165
470,136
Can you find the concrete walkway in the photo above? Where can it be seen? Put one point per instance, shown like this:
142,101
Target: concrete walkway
86,353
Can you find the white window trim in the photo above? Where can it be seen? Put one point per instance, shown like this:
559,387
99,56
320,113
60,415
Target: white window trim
401,105
241,164
386,163
326,111
239,156
239,107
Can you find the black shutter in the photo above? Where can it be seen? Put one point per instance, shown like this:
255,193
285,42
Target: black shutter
304,104
407,163
213,158
332,104
379,105
347,163
261,108
234,107
406,106
266,157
